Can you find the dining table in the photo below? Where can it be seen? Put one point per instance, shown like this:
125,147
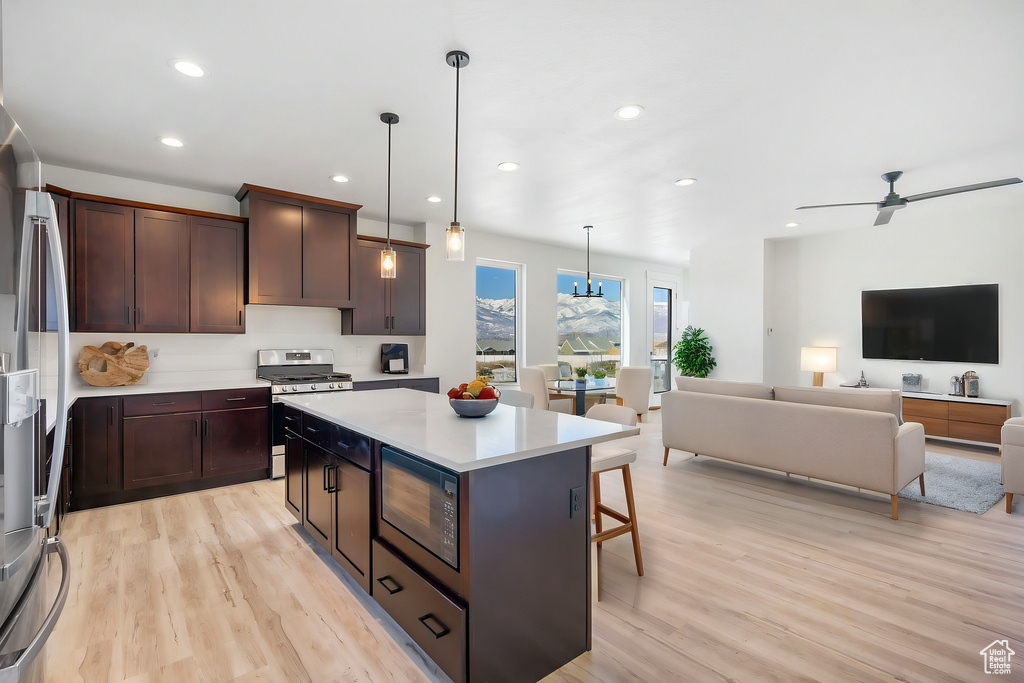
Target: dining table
581,388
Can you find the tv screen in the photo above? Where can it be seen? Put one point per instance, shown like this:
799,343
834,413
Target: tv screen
956,324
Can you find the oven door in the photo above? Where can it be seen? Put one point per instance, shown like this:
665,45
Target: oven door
421,500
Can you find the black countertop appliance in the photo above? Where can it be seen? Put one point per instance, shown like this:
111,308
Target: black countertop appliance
394,358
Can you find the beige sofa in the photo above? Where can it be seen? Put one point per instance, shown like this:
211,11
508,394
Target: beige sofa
846,436
1013,458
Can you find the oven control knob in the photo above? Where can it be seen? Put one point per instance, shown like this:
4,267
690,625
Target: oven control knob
312,387
295,388
330,386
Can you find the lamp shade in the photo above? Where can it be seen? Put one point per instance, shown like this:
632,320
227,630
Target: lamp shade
818,358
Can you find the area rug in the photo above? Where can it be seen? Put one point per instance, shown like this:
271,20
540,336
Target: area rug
958,483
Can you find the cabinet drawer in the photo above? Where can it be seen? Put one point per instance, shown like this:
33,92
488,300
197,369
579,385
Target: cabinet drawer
979,412
161,404
919,407
975,431
428,616
228,399
337,439
932,426
292,418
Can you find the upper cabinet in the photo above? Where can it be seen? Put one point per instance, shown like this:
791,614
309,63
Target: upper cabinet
139,268
388,306
300,248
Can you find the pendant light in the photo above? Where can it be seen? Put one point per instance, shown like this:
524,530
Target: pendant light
388,258
455,236
575,285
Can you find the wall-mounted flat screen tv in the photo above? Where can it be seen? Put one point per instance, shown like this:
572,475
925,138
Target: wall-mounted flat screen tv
956,324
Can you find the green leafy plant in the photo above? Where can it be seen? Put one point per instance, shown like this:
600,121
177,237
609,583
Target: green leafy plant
692,355
600,374
581,372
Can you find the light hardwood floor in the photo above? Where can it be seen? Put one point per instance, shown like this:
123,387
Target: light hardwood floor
750,576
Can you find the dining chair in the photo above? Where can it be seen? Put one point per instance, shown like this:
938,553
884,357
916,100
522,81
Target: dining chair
608,456
515,397
633,389
532,381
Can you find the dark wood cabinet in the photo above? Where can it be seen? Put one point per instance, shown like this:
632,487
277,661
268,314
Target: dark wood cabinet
95,447
162,449
318,506
161,271
388,306
293,466
235,440
300,248
131,269
352,521
217,280
104,237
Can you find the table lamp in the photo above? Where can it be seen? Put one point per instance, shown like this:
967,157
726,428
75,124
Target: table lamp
819,360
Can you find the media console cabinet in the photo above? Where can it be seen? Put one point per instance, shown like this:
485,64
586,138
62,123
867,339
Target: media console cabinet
957,417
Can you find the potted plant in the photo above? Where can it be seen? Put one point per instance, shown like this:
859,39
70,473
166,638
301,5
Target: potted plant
599,376
692,355
581,374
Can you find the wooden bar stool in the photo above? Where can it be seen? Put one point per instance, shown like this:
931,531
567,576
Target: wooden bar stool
608,456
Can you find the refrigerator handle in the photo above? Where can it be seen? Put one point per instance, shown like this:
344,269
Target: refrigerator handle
26,657
39,206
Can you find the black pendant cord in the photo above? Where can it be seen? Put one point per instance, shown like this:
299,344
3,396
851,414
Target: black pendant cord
389,185
589,291
455,210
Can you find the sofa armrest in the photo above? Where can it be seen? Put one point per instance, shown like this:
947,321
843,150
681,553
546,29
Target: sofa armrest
1012,453
909,447
1013,432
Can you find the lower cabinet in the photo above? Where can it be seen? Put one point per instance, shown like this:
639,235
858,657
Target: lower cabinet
427,615
95,447
293,477
235,440
162,449
336,509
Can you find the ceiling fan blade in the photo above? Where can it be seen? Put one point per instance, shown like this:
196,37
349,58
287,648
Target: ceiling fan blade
883,216
825,206
963,188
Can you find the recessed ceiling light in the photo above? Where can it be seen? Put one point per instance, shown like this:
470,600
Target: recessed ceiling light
686,181
628,112
339,178
189,68
433,199
172,142
792,225
508,166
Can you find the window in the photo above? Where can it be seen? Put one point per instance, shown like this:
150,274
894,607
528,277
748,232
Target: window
661,336
498,326
590,329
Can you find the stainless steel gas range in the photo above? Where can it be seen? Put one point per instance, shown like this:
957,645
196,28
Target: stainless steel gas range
293,372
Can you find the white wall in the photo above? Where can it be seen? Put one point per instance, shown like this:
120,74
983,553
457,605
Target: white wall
727,301
451,298
817,283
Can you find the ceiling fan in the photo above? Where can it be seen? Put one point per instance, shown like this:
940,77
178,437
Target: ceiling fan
893,201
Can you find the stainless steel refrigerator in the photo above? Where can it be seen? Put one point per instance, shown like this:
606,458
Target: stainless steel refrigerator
34,367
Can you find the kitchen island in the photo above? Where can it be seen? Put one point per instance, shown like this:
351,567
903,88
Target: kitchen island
473,534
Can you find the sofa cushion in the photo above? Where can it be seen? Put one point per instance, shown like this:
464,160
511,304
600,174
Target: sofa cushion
724,388
882,400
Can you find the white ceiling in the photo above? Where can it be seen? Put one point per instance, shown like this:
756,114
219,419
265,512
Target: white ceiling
770,104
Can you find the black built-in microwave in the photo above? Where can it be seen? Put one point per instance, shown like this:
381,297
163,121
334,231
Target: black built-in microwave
421,500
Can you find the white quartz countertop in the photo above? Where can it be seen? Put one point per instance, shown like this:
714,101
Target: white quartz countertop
424,424
82,390
956,399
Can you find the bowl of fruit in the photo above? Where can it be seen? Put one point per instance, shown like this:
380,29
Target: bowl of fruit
474,399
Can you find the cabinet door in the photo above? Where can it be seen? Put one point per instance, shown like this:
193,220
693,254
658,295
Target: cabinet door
104,267
319,502
293,475
275,250
217,276
161,271
370,313
328,245
352,521
162,449
95,446
409,292
236,441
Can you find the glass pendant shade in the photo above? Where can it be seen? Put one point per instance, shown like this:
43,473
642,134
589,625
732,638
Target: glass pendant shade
388,263
455,243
